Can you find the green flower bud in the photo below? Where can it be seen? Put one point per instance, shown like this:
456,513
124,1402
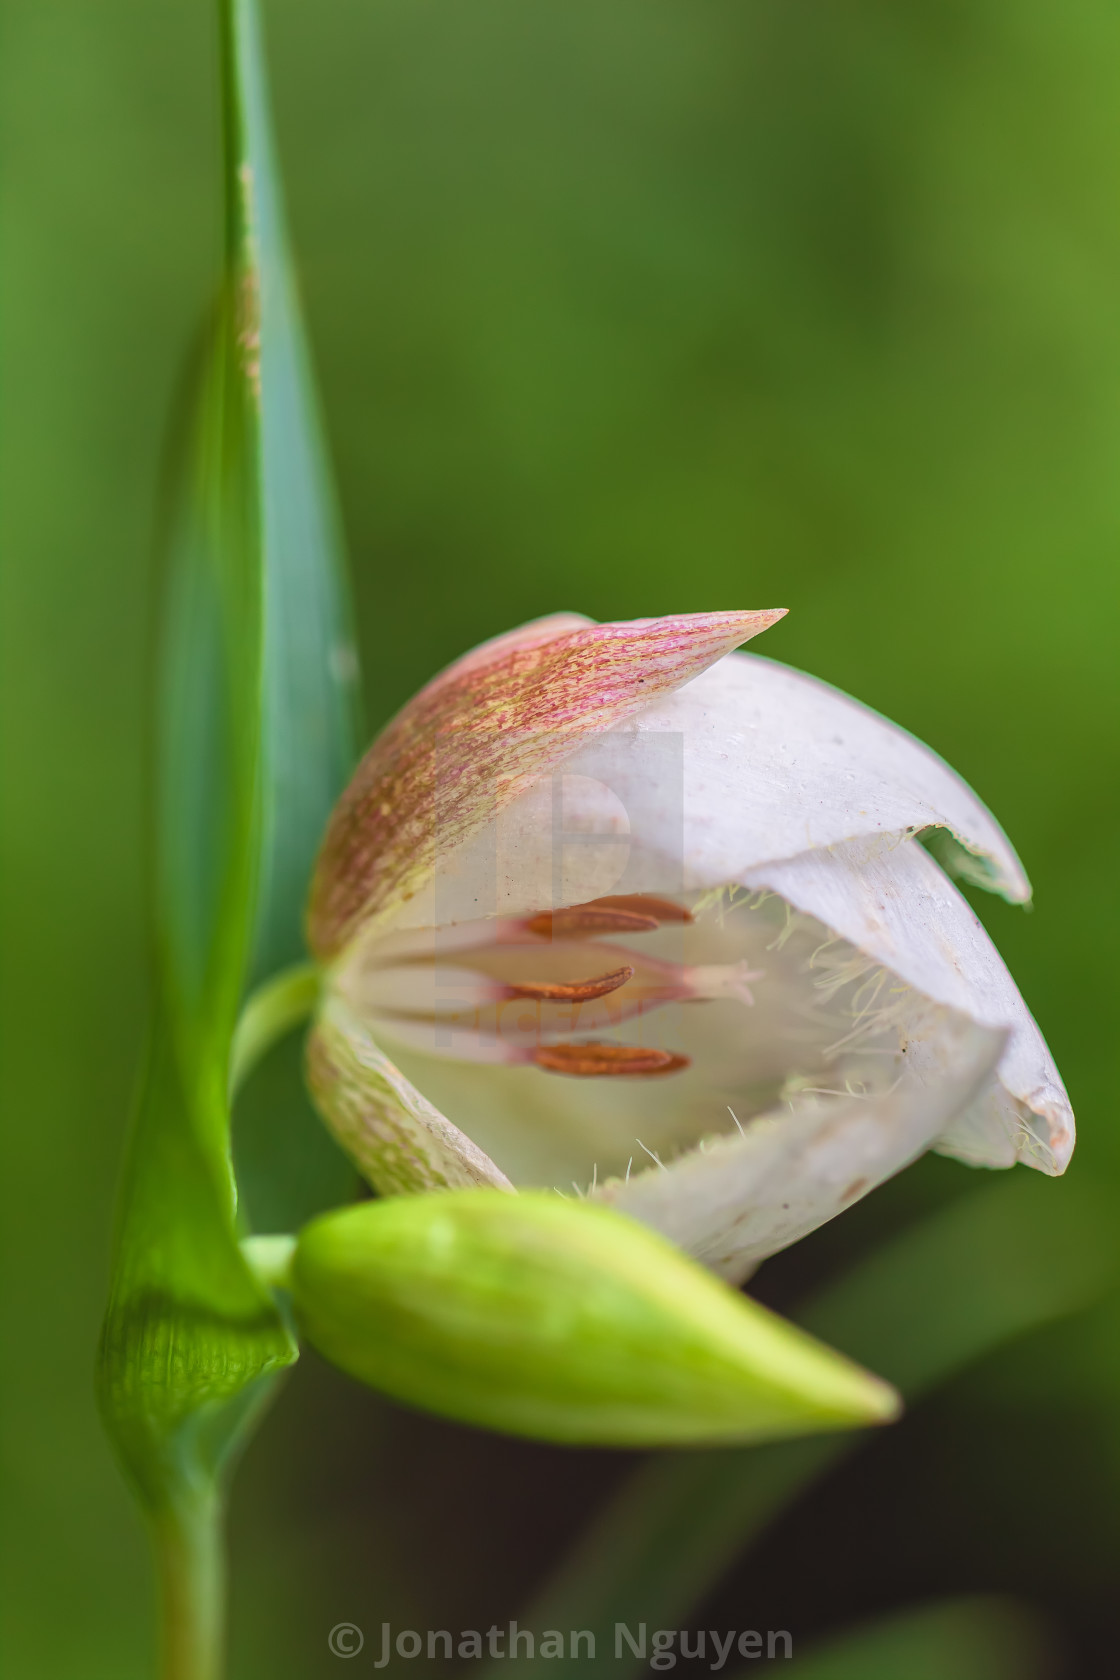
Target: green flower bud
560,1320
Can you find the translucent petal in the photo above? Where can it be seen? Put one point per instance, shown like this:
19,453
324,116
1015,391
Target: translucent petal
740,1198
891,900
748,762
778,762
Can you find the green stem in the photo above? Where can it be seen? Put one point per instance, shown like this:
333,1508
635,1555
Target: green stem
190,1563
273,1010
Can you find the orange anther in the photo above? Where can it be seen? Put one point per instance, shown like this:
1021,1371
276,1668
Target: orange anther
573,991
585,921
594,1061
641,904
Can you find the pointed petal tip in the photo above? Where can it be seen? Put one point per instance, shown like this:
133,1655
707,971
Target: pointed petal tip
738,624
771,615
718,632
1062,1137
753,622
990,863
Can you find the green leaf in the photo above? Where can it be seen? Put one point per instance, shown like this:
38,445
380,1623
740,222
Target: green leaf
190,1333
995,1265
309,669
560,1320
255,738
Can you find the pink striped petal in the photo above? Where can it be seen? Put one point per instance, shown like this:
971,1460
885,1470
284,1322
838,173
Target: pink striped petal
472,740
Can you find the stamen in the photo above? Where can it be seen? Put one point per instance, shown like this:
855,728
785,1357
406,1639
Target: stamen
593,1061
575,991
641,904
586,921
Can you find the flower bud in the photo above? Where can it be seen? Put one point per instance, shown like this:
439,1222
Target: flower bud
560,1320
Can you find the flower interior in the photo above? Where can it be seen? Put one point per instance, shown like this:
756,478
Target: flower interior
681,1019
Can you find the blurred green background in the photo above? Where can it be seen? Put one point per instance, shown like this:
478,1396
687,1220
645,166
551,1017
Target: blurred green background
629,307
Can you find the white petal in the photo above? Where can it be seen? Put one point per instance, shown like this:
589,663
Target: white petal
891,900
397,1140
741,1198
748,762
777,762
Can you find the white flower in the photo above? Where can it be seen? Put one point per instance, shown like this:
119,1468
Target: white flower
661,921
